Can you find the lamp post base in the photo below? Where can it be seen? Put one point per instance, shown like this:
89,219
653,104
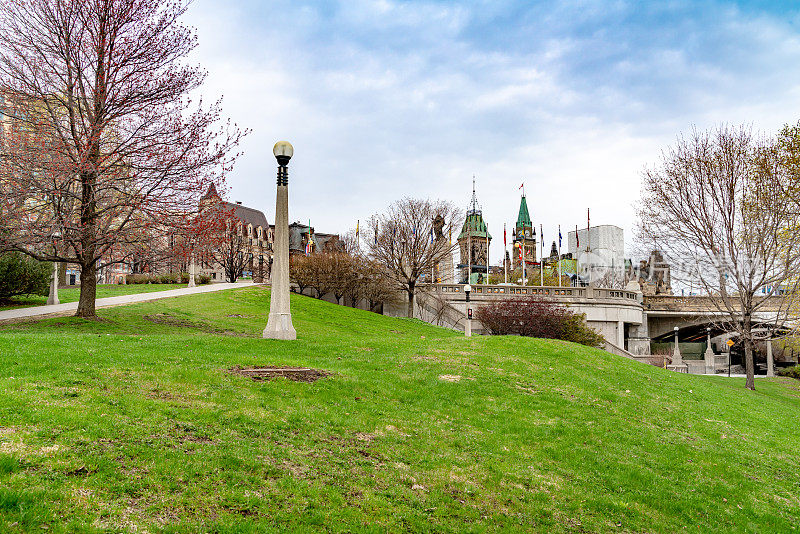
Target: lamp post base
279,326
52,298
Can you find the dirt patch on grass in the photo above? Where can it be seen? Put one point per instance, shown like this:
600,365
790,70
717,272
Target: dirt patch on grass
171,320
268,372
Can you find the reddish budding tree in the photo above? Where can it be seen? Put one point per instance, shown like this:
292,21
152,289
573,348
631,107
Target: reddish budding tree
102,146
218,236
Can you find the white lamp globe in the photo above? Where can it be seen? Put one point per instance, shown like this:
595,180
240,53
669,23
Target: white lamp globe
283,149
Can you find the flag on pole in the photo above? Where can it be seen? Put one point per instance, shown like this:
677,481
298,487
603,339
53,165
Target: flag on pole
505,240
559,255
577,239
357,223
310,242
376,233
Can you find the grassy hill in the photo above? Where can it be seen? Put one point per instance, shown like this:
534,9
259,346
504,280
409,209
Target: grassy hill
72,294
133,423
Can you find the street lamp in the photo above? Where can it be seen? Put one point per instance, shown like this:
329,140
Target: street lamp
468,327
279,323
52,297
709,354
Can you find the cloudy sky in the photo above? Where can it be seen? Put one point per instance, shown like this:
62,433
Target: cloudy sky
384,99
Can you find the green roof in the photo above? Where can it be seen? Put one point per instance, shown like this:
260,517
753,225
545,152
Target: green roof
523,219
475,226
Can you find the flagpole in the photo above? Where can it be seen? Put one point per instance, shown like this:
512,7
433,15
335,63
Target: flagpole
486,280
577,254
469,252
541,256
505,251
588,242
559,255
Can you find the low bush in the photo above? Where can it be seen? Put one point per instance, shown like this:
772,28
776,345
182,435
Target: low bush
136,279
534,317
22,275
169,278
791,372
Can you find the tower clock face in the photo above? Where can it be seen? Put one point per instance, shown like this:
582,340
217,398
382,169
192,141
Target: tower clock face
527,233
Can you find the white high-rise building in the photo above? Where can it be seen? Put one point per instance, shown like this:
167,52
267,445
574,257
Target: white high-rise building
598,249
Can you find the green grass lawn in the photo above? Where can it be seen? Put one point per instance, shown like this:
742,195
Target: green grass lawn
71,294
132,423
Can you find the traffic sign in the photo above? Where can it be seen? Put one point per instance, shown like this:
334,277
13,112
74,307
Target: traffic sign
731,343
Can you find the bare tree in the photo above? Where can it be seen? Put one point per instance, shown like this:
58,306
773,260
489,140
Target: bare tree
300,272
377,288
405,241
717,205
104,147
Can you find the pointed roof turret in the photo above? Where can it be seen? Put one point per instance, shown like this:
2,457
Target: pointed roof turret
523,219
211,193
474,224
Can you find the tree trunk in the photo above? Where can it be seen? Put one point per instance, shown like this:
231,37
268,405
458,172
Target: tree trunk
62,274
410,311
750,382
86,304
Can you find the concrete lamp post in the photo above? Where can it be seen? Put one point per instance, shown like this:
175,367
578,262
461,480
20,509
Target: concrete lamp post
52,297
468,327
279,323
676,354
709,354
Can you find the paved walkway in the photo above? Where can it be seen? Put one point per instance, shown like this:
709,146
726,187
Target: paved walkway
68,308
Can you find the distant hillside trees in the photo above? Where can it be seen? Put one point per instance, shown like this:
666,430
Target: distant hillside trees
722,206
103,145
349,278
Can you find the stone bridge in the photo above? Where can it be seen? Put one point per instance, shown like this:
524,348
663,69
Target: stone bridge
693,314
617,314
627,320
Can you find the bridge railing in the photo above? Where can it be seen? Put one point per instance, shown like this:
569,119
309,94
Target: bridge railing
542,291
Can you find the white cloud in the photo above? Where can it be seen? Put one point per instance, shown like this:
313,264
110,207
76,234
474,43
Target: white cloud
387,99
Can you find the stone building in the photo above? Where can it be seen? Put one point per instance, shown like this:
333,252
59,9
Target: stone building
655,277
443,271
473,244
524,247
300,234
254,237
599,251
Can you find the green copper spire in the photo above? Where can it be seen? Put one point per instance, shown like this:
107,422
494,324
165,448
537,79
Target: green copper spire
474,224
523,219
